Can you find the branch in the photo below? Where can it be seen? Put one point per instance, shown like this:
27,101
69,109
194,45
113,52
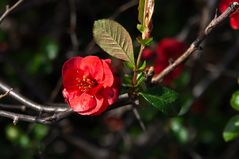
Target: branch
13,107
8,10
196,43
16,117
59,112
30,104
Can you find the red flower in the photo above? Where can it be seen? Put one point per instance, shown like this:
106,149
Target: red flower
234,18
147,54
89,84
168,49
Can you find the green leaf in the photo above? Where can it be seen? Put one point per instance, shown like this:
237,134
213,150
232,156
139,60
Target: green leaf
114,39
129,65
235,100
162,98
231,130
127,81
140,27
142,67
140,78
145,42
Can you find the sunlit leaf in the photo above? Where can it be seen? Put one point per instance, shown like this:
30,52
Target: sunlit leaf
114,39
231,130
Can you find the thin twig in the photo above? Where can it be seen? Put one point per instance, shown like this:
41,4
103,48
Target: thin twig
73,23
196,43
9,9
138,117
5,94
16,117
13,107
29,103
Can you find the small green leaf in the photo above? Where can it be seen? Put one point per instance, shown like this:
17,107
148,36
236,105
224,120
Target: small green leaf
231,130
127,81
145,42
140,27
235,100
129,65
140,78
162,98
142,67
114,39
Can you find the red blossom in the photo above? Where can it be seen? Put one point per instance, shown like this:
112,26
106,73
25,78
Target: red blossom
168,49
234,18
89,84
147,54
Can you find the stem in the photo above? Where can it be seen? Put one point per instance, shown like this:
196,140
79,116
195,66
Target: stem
134,80
138,117
140,55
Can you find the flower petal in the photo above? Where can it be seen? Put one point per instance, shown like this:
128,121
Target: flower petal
108,75
92,66
234,21
99,108
223,5
80,103
110,94
70,71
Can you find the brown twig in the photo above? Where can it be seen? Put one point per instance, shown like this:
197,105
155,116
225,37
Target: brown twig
9,9
196,43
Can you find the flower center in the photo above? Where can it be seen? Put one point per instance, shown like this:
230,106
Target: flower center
85,83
